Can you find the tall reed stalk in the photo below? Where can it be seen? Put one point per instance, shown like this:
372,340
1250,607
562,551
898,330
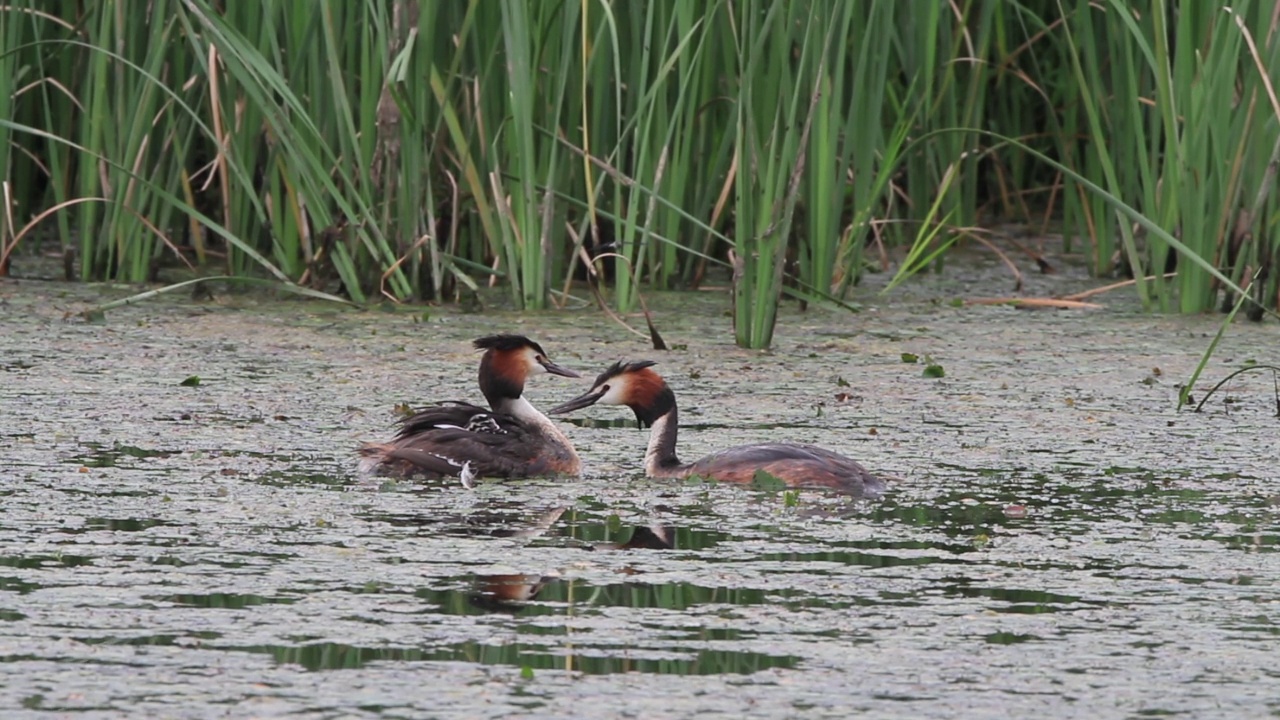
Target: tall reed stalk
11,36
775,111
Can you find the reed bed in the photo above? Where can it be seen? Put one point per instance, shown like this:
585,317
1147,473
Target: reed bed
416,150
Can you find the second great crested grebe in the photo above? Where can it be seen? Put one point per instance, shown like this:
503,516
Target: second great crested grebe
646,393
511,439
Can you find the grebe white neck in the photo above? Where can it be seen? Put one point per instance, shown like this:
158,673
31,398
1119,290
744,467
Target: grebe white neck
525,411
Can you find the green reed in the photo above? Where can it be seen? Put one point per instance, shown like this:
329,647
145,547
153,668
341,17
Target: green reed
416,150
647,53
775,109
845,146
1180,89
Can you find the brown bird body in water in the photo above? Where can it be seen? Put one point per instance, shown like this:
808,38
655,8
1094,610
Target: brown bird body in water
511,439
647,394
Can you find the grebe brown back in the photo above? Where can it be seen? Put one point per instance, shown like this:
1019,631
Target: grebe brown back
647,394
510,439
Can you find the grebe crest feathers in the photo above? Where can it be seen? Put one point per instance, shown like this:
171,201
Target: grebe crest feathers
506,342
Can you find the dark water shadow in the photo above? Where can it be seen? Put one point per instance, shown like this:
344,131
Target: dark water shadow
530,657
100,455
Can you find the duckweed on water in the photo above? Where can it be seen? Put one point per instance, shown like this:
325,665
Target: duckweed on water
164,552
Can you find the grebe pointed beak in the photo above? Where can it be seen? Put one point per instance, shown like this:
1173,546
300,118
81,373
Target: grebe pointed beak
555,369
586,400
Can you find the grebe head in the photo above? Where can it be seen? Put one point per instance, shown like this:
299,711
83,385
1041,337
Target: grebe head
632,384
510,360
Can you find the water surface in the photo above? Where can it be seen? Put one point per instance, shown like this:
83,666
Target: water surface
1062,541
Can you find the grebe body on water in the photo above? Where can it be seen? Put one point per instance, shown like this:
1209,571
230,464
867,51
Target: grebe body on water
640,388
511,439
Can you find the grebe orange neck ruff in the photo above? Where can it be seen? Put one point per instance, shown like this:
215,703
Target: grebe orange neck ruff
511,439
643,390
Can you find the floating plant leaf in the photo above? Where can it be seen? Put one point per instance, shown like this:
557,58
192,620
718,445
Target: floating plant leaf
763,480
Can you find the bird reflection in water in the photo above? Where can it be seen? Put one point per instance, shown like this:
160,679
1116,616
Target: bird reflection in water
508,592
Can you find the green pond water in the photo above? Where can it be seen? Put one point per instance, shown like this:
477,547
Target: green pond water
1061,543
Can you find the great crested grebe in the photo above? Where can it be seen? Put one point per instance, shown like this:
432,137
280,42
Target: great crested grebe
511,439
645,392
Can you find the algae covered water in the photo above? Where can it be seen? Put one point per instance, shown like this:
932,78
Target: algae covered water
183,533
